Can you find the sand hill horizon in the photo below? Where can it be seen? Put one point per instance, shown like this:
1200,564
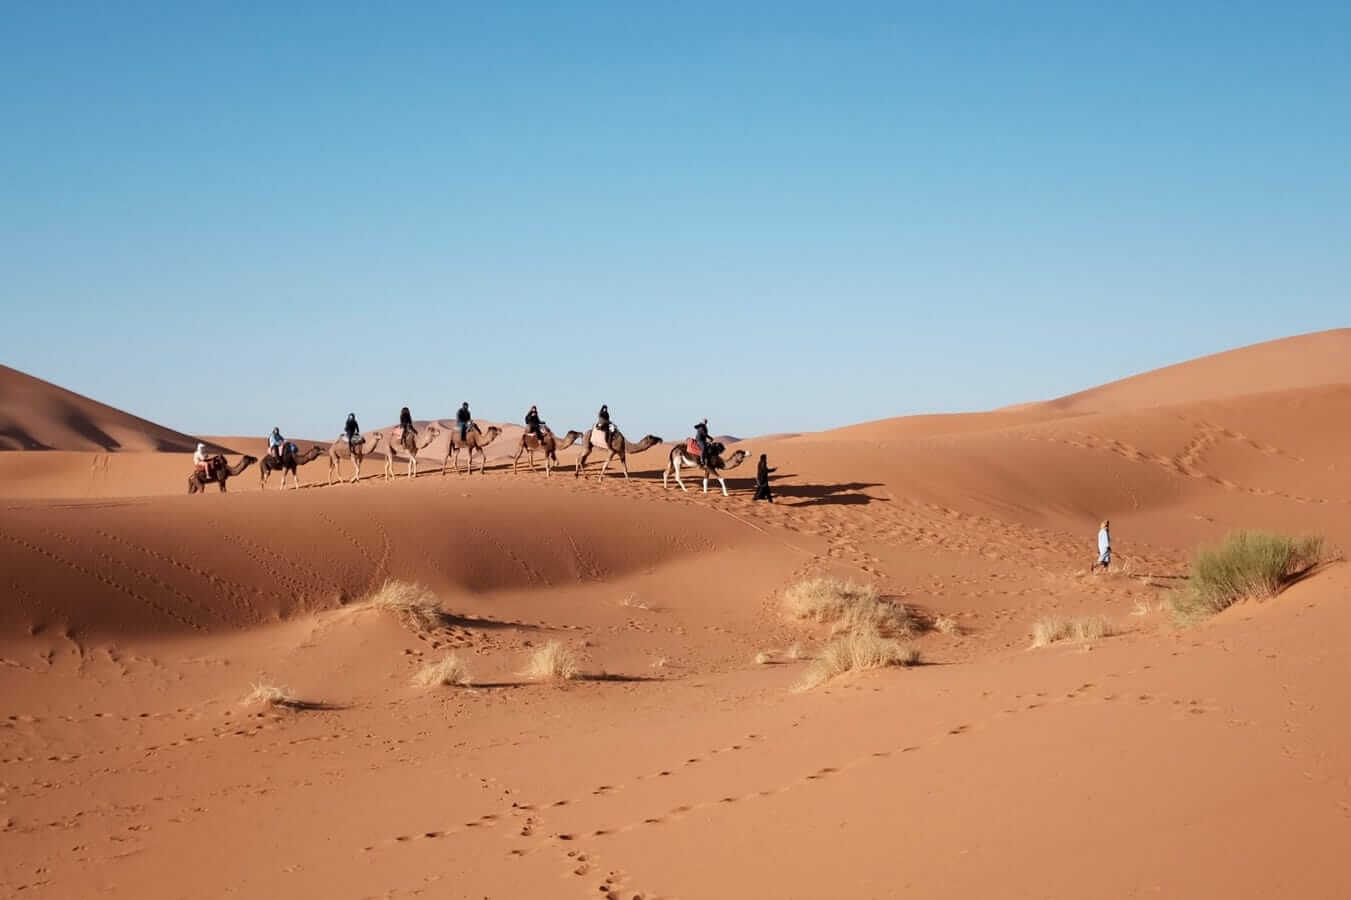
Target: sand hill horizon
901,677
39,415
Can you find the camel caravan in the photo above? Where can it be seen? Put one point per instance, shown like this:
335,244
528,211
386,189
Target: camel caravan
466,437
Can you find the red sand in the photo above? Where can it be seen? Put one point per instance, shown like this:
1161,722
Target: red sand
1206,761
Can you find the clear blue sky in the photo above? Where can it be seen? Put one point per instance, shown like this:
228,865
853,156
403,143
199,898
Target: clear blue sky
779,216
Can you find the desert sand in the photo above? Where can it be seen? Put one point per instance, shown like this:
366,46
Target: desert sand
1157,761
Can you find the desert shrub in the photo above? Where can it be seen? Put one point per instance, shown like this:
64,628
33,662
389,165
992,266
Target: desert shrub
413,603
846,605
270,695
450,670
554,661
855,651
1052,629
1249,565
946,625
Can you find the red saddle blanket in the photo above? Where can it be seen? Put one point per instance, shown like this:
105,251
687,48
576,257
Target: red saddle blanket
692,447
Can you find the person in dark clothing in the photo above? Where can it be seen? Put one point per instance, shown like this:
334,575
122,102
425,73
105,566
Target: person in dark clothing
351,429
462,418
603,419
406,425
701,438
532,421
762,480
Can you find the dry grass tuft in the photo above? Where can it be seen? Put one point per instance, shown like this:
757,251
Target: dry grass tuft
554,661
271,695
1053,629
633,601
414,604
856,651
1249,565
764,657
946,625
847,606
451,670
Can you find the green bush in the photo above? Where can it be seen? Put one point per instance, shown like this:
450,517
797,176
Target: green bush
1248,565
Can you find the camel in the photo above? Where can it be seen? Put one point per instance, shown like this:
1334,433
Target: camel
546,441
287,464
408,444
618,446
681,455
220,473
474,439
340,451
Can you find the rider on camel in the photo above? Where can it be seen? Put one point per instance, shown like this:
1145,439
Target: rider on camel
275,442
532,422
603,419
701,439
201,462
351,429
462,418
406,425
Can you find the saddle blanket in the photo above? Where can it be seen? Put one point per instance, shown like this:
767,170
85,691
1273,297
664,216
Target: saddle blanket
599,438
692,448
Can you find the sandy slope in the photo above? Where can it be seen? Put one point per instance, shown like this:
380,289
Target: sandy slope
37,415
1202,762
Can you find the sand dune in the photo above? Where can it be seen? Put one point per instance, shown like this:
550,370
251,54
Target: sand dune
1149,762
36,415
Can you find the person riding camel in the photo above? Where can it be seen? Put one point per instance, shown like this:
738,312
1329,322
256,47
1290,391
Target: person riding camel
275,443
200,461
406,425
701,439
532,421
462,418
352,430
603,419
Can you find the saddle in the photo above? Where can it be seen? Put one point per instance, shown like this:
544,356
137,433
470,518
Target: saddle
600,437
692,448
356,440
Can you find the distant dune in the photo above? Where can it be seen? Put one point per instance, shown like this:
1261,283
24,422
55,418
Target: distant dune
38,415
1308,360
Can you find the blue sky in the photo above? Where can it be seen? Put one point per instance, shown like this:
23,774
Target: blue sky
780,216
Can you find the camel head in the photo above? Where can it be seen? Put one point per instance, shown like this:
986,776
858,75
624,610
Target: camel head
734,460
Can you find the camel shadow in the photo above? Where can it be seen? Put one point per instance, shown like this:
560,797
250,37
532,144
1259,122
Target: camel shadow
850,493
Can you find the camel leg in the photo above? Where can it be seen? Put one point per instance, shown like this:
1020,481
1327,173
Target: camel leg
675,463
705,482
605,465
356,469
581,461
624,459
721,482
